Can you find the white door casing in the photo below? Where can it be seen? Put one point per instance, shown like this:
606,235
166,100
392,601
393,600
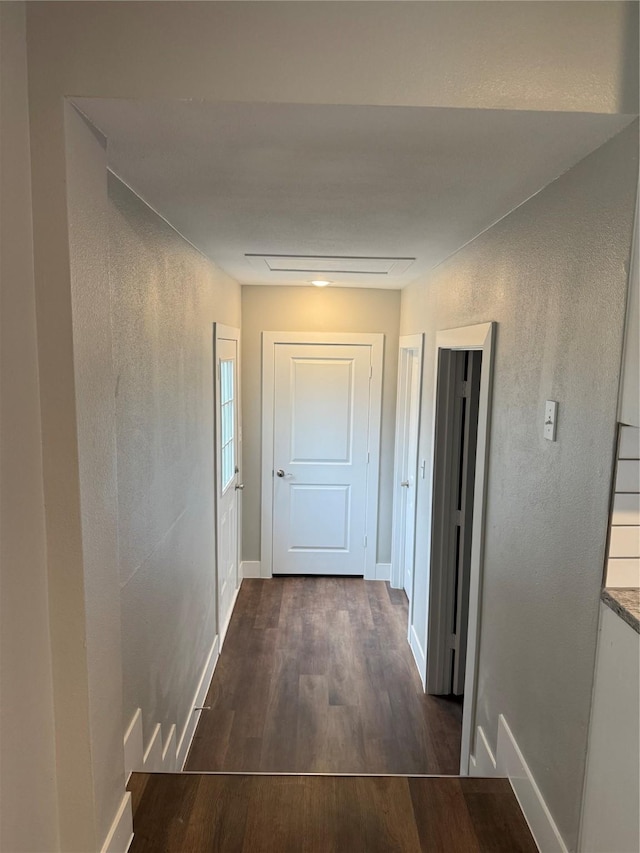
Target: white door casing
321,437
227,445
406,461
478,337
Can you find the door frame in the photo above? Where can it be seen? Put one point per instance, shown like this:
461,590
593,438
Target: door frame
478,337
407,344
269,342
223,332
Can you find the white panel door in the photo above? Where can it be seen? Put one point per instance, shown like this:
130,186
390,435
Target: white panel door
408,483
227,477
406,462
321,454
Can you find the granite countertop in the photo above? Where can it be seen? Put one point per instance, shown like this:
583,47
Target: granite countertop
625,601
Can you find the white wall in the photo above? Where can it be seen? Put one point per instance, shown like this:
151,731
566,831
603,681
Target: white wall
630,385
310,309
87,618
135,615
28,818
574,56
165,298
612,789
553,276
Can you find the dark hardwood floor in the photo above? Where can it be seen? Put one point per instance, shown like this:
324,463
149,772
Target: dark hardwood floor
189,813
316,675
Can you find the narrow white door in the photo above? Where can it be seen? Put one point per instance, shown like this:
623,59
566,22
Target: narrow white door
408,482
226,475
321,456
406,462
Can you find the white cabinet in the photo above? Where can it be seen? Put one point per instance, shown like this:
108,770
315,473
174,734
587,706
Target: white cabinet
612,789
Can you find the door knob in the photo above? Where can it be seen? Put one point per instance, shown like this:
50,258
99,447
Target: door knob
280,472
405,483
239,486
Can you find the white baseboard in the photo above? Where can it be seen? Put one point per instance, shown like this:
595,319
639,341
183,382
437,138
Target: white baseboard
120,835
198,700
383,571
483,762
511,763
418,654
250,569
160,754
152,759
225,628
169,752
133,745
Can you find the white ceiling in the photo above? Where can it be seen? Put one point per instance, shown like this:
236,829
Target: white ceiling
390,184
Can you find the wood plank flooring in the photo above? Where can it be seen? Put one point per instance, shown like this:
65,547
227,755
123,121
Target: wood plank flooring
190,813
316,675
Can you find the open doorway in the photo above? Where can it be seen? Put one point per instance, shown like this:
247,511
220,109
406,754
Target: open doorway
456,431
316,675
460,442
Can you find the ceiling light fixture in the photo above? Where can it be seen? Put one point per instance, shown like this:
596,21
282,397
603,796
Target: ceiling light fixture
320,282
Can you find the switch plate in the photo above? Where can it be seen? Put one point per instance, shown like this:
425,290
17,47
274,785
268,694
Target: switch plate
550,420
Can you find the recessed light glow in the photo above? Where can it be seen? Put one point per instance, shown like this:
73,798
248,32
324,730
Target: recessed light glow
320,282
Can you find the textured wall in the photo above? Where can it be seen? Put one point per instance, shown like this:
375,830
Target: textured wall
553,275
165,298
91,649
310,309
28,819
576,56
629,412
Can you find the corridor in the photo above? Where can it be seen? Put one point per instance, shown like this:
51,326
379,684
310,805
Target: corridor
316,676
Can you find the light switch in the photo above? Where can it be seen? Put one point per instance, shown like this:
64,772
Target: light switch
550,420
